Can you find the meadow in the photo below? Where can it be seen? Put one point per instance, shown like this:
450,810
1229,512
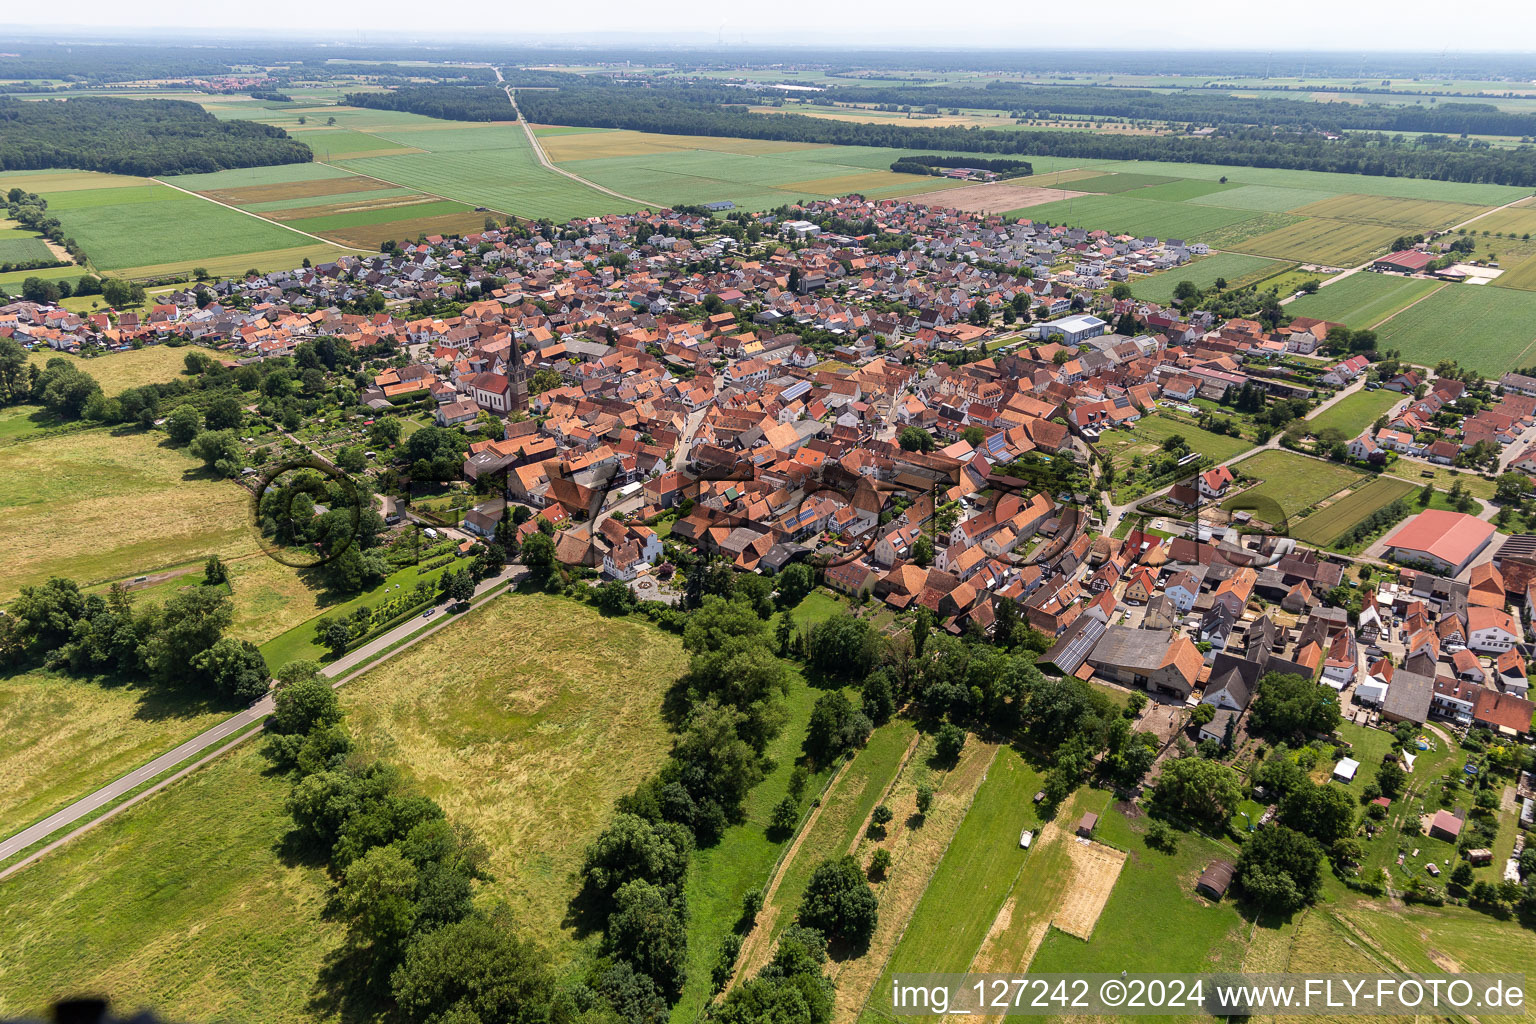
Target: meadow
1230,266
1361,300
527,734
62,737
1488,329
1355,412
118,371
1292,481
1326,526
188,903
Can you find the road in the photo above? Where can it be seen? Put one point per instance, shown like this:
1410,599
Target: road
339,671
538,151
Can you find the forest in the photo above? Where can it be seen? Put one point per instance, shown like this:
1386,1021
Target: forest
698,110
1201,107
926,164
449,102
143,137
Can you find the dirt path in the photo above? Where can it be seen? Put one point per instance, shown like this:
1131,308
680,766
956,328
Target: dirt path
538,151
915,854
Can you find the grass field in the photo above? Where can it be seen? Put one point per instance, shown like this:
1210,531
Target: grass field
1128,214
1487,329
1230,266
526,722
1149,433
1416,214
62,737
118,371
186,904
17,247
1327,526
1356,412
1292,481
100,505
1361,300
1123,181
1334,243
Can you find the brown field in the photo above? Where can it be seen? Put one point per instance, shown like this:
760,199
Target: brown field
370,236
1517,220
1054,179
224,266
117,371
352,206
1095,868
68,181
843,184
295,190
595,145
1419,214
999,197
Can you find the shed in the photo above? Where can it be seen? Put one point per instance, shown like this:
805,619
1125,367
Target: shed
1480,857
1445,825
1215,879
1086,824
1345,770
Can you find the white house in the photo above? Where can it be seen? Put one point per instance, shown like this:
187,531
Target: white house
1491,630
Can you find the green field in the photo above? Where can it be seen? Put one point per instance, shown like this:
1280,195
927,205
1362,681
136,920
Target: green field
1124,181
1231,266
1491,330
243,177
187,904
378,215
1330,182
1292,481
1264,198
1148,435
1327,526
1334,243
1356,412
19,248
1130,215
1361,300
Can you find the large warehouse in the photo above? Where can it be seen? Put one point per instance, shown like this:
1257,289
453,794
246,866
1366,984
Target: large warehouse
1448,541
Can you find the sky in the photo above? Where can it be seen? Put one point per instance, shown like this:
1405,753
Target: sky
1346,25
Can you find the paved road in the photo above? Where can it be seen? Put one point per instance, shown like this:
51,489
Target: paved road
538,151
338,670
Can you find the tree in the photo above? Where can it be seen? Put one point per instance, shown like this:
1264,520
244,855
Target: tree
786,815
220,451
1512,488
948,743
538,555
915,439
1390,777
1185,290
15,373
235,668
795,582
840,646
838,902
385,432
879,864
835,727
183,424
474,971
64,389
631,848
648,930
378,891
1326,813
1203,714
334,635
1280,869
922,551
877,699
1196,788
48,611
614,598
1289,704
183,628
303,706
924,798
224,413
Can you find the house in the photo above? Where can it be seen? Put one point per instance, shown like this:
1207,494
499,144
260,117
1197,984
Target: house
1214,483
1446,541
1182,589
1404,261
1445,825
1073,330
1512,676
1216,728
482,519
1140,589
1215,879
1345,770
1086,824
1491,630
1408,697
1503,713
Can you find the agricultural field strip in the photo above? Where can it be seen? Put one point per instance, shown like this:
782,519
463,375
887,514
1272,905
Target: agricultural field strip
1326,526
257,216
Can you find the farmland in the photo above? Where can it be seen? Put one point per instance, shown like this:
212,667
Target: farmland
1355,412
1229,266
117,371
528,735
1362,300
1326,526
1493,328
1292,481
1334,243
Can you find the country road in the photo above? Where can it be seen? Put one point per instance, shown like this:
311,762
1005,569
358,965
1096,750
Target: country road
538,151
338,671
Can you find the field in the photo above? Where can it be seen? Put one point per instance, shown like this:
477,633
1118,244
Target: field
1356,412
126,223
118,371
525,722
187,903
1148,435
1486,329
1230,266
1292,481
1333,243
62,737
1127,214
1325,527
998,197
98,505
1361,300
1416,214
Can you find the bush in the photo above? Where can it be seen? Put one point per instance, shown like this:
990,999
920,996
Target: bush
879,864
948,743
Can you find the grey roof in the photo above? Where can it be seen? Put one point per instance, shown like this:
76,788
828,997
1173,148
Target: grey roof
1124,647
1408,695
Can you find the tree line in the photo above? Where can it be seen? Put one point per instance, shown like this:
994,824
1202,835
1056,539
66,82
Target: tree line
1199,107
141,137
449,102
708,110
925,164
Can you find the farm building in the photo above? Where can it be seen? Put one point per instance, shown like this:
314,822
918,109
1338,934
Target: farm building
1445,825
1446,540
1215,879
1086,824
1345,770
1404,261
